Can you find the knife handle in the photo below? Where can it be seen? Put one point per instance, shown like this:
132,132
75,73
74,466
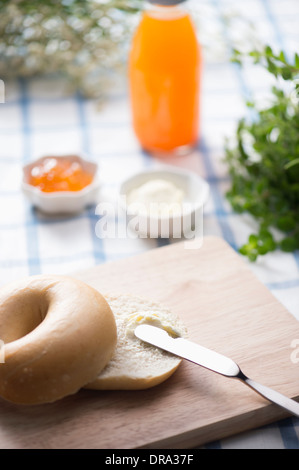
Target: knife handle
275,397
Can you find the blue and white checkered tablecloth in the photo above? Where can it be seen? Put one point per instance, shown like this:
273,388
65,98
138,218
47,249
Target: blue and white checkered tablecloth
40,118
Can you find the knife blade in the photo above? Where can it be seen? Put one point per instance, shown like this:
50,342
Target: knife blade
187,350
211,360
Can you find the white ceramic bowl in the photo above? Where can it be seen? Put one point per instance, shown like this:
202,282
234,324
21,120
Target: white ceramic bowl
171,225
62,202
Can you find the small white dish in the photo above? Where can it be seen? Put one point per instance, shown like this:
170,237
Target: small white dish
169,225
62,202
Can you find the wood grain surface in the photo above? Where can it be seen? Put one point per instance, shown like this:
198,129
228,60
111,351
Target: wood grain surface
224,308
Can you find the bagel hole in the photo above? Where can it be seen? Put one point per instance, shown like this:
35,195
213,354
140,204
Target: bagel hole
22,313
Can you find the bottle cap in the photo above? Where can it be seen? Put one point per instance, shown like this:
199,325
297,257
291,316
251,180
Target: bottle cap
166,2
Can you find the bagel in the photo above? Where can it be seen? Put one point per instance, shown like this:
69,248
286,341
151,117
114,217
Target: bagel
136,365
58,334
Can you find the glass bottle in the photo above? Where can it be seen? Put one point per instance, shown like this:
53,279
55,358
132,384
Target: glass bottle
164,79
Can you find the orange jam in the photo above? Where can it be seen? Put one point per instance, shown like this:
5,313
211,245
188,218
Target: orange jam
59,174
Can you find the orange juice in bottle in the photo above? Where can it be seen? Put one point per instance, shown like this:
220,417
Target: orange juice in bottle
164,75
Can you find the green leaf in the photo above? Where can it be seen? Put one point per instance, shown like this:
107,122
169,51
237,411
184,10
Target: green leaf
291,163
286,73
272,67
253,239
282,57
286,223
288,244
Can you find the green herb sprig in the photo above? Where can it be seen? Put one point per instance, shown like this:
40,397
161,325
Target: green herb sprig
264,161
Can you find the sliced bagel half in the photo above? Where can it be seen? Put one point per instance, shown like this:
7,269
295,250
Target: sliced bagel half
136,364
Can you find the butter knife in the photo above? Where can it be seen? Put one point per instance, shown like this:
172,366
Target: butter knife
211,360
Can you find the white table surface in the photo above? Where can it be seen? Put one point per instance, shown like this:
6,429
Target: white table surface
38,118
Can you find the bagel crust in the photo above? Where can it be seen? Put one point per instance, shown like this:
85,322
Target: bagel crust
58,333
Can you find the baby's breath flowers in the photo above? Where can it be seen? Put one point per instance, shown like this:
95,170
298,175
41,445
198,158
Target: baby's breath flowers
83,40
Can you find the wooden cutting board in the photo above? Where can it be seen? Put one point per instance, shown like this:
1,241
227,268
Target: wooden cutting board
224,308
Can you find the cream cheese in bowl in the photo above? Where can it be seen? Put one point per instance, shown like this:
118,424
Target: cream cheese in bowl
158,197
166,202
